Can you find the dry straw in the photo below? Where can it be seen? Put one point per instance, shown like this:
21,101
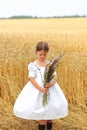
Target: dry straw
17,43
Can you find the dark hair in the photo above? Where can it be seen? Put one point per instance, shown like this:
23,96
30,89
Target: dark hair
42,46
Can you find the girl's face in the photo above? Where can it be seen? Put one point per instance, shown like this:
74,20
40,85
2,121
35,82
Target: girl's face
41,55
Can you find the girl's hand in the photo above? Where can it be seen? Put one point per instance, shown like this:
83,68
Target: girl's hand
50,84
44,90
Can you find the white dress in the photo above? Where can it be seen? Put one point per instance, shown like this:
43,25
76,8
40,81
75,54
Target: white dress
29,103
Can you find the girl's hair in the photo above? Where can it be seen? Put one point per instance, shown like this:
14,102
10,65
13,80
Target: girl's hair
42,46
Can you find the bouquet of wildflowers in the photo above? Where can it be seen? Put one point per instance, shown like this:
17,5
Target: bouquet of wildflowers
49,74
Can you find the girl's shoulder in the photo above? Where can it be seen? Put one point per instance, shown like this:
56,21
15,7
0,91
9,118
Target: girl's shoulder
31,65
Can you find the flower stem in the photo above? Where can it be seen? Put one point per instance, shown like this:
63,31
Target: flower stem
44,99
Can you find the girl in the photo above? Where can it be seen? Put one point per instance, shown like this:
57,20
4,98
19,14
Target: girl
29,102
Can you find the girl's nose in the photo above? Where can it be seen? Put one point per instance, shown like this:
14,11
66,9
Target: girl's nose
43,56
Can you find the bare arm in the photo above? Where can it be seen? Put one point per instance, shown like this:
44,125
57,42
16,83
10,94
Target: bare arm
32,80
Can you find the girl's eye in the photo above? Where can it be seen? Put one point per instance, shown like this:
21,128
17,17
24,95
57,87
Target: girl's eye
42,54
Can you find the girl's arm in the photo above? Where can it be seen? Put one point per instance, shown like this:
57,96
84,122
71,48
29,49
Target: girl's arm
32,80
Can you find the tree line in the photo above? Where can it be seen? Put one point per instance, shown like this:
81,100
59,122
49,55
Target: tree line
27,17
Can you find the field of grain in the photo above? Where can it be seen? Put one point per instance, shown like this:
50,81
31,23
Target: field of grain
18,39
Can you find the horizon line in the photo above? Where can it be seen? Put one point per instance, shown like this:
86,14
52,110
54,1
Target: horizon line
30,16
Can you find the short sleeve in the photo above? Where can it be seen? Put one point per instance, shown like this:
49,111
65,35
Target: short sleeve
31,70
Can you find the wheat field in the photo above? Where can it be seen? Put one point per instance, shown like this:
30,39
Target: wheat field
18,39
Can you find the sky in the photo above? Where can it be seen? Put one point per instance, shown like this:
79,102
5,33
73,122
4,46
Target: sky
42,8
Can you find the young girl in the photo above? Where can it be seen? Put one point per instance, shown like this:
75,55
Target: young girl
29,103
